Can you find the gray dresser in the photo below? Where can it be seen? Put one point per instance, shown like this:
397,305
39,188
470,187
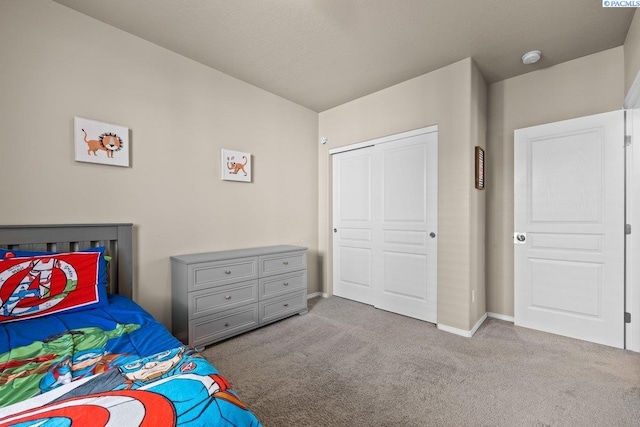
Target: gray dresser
217,295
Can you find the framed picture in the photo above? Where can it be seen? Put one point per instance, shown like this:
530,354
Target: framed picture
236,165
479,168
98,142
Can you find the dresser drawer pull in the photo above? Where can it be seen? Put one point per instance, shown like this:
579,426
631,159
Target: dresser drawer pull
286,305
285,283
227,272
227,297
285,262
226,324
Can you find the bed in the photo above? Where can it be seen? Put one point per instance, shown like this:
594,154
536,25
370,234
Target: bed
75,349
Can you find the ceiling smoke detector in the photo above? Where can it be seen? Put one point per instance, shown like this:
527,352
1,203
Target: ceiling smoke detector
531,57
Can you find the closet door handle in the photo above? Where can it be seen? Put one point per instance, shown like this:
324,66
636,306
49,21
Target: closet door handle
285,283
227,272
285,262
227,297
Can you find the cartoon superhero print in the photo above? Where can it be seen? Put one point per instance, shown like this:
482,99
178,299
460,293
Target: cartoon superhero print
43,365
194,389
82,364
36,283
192,385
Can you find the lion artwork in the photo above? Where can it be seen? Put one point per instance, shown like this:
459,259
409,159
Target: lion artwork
109,142
235,167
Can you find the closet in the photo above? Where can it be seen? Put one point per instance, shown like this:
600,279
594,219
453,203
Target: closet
385,223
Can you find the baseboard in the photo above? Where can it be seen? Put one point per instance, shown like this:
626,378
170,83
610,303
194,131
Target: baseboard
501,317
478,324
462,332
317,294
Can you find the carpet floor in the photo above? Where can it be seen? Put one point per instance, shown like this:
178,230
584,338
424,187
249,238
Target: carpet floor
349,364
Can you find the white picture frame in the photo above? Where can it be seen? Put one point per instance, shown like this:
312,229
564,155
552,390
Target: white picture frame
102,143
235,165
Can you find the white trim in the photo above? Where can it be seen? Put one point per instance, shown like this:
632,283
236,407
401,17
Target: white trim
317,294
633,217
462,332
501,317
632,100
478,324
382,140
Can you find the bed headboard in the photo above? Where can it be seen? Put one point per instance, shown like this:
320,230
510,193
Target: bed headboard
72,237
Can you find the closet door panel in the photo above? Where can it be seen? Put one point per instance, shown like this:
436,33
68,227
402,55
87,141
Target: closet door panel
352,222
405,226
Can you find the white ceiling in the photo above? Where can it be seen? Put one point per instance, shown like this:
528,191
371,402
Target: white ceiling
323,53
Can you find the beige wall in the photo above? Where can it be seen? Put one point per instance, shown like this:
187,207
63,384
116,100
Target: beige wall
57,64
445,97
589,85
477,137
632,52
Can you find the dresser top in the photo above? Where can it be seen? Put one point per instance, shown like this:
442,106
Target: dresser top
237,253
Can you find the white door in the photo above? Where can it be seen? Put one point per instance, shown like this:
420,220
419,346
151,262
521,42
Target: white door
353,224
569,228
405,226
385,213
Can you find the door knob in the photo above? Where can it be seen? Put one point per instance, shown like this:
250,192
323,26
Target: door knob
432,234
335,230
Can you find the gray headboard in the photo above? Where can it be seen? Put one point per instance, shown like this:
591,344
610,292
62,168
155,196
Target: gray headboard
72,237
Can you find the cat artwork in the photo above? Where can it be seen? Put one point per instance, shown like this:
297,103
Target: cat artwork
236,166
108,141
99,142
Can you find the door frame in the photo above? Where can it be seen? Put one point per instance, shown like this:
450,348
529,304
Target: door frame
383,139
632,213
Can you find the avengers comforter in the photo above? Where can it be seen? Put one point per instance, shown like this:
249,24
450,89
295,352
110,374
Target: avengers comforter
109,366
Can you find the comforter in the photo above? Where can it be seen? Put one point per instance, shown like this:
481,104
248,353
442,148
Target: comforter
112,365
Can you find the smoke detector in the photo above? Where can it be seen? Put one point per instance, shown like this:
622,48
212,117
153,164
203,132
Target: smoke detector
531,57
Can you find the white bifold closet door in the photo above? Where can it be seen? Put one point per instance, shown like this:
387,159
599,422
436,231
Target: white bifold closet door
385,218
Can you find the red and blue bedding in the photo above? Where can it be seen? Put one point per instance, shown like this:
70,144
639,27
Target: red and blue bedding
108,365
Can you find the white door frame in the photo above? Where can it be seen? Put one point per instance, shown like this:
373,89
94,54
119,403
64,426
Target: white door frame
632,297
382,140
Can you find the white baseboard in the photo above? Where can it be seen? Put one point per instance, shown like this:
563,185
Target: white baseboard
317,294
478,324
501,317
462,332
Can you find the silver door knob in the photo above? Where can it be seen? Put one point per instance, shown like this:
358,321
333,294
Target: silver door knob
432,234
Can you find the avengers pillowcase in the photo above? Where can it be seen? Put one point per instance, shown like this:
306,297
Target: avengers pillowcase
40,285
104,260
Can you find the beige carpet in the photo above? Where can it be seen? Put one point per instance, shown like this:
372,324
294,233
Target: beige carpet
348,364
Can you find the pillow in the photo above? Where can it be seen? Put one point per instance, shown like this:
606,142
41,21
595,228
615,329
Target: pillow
34,286
104,260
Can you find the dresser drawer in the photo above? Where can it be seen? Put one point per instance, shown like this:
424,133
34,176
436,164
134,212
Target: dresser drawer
220,298
215,327
278,307
281,284
207,274
282,262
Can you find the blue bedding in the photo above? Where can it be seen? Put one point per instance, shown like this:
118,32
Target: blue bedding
107,364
